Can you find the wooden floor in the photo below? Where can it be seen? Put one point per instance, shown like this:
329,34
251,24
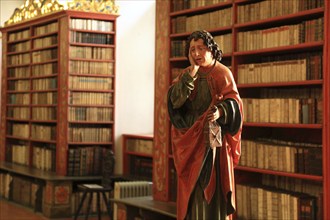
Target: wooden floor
13,211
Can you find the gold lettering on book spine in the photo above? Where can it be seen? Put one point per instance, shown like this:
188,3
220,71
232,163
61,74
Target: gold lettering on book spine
36,8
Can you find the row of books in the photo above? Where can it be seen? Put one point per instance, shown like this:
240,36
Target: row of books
38,131
90,98
18,112
37,84
84,24
18,99
5,181
38,113
44,98
139,146
44,157
19,59
19,85
37,57
19,72
26,192
80,133
90,114
45,41
44,84
273,8
49,98
19,130
19,35
140,166
214,19
85,161
26,34
96,53
45,29
44,113
43,132
37,70
81,82
19,47
255,202
283,110
178,5
91,67
291,157
91,24
45,69
44,55
20,154
225,42
307,31
295,185
297,93
308,68
178,48
91,38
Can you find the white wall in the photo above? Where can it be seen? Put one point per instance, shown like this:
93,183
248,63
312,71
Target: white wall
134,67
135,70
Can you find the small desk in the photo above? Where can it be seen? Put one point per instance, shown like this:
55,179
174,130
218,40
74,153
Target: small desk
147,208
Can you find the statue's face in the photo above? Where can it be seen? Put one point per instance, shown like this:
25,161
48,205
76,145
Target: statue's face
201,54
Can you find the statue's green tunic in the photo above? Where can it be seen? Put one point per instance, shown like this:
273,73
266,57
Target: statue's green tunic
194,107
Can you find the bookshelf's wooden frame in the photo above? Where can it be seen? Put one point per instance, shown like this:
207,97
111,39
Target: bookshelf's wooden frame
162,146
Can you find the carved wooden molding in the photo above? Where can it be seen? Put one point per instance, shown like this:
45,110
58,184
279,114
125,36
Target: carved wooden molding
161,128
36,8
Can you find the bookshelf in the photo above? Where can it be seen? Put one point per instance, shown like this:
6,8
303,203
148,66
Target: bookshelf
137,156
58,91
58,98
283,79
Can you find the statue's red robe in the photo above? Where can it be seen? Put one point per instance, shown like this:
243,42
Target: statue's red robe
189,148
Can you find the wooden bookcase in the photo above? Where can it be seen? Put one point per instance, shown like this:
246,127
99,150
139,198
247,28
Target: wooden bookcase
58,99
58,91
137,156
278,54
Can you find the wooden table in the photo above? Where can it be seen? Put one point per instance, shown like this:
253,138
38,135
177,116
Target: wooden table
146,208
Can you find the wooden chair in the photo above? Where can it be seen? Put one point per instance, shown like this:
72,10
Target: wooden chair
107,185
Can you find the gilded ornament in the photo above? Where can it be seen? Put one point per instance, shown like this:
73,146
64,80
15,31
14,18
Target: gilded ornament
36,8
